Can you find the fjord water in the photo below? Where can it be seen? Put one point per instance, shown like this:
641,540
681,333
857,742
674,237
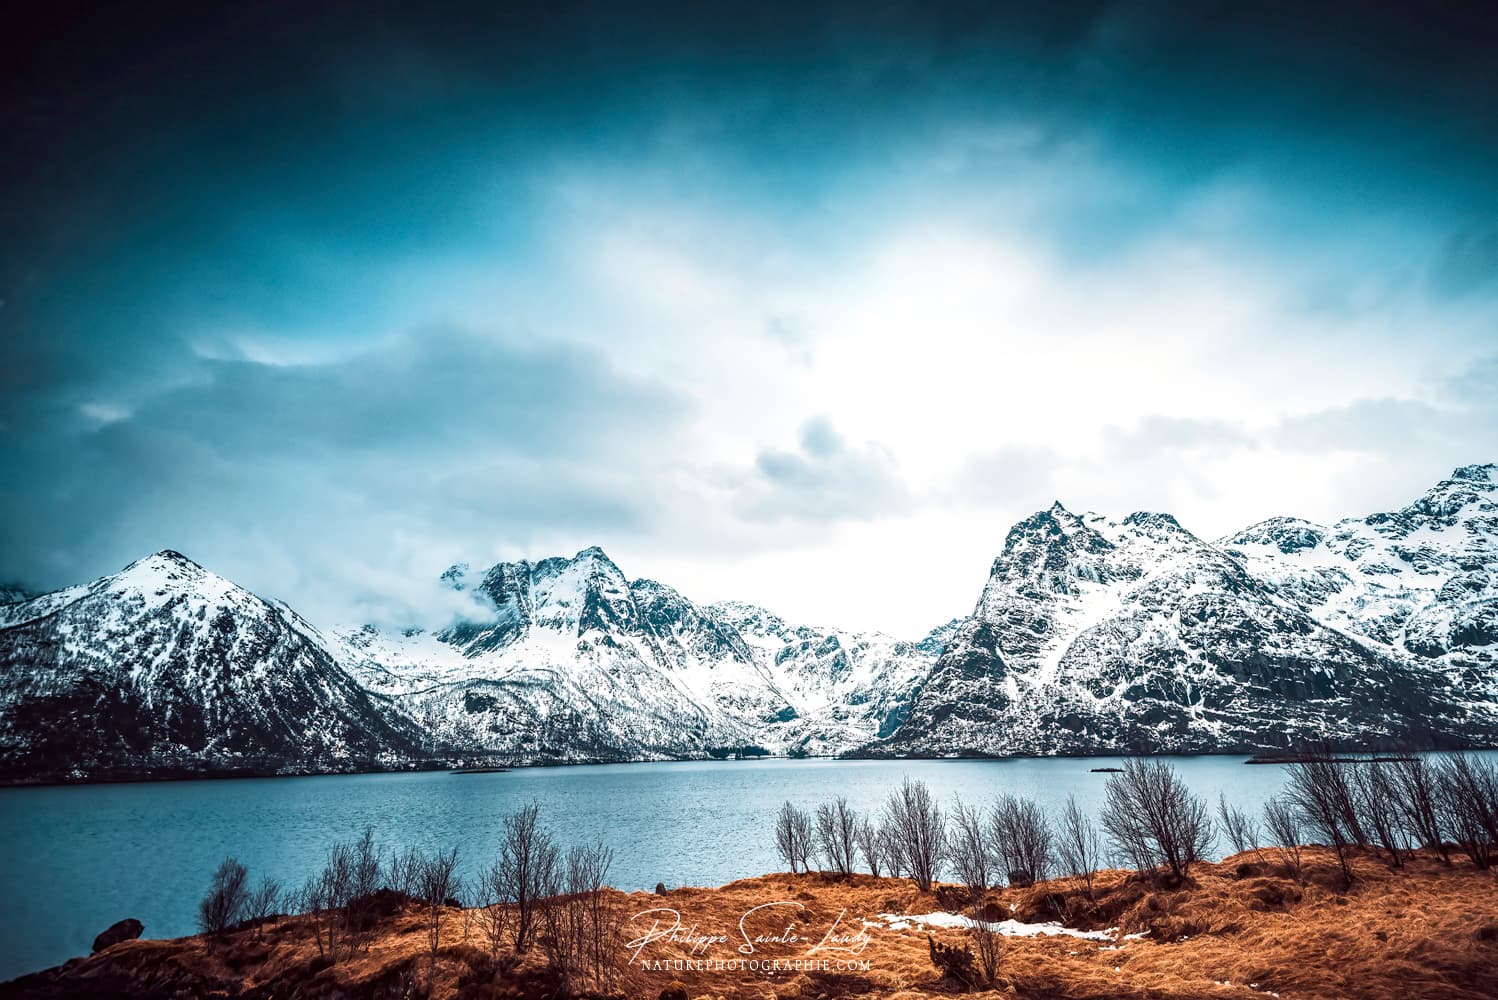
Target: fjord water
73,860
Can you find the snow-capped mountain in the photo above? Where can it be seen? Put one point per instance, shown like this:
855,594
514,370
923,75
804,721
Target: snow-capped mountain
1420,583
1090,634
572,660
165,667
1100,634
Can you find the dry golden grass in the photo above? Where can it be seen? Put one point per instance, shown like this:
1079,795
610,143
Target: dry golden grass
1241,929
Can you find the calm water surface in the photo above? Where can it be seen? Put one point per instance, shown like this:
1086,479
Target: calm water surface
73,860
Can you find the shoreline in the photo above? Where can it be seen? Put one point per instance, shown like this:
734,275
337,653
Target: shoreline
456,766
1243,927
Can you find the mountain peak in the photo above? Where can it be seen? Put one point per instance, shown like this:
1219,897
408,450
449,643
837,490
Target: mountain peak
1475,473
173,557
1288,534
168,564
593,561
1152,519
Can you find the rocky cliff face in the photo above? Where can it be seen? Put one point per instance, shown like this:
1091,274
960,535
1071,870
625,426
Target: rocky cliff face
1419,584
165,667
1101,634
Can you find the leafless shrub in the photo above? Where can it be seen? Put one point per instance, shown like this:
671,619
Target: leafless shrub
1469,806
1378,808
1154,820
1078,847
1022,840
262,902
968,849
403,872
603,920
986,945
793,837
894,858
326,896
1320,791
581,925
1282,820
1242,830
439,883
1417,792
227,898
494,907
365,871
527,859
918,831
871,845
805,838
837,834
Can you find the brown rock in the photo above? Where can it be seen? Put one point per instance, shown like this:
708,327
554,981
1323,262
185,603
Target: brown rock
126,930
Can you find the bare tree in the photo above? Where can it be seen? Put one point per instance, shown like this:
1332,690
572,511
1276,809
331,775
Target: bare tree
494,904
1417,792
968,850
837,834
439,883
1469,806
603,919
261,903
1022,840
227,898
793,837
403,872
1079,846
1321,792
894,857
871,845
1282,819
919,830
987,944
1241,829
1378,808
365,871
310,900
527,858
803,837
581,925
1154,820
328,894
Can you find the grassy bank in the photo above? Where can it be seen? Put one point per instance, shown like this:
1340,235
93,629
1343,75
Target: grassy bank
1245,927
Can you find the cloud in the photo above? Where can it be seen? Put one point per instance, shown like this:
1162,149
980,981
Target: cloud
1018,475
1087,252
1156,433
342,473
1468,263
826,478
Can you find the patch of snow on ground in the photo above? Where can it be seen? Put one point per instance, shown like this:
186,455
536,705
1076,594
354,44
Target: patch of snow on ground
1008,928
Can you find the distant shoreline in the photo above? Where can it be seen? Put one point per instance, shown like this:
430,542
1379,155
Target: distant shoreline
455,765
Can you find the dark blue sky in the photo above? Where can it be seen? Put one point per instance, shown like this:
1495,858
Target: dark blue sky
773,301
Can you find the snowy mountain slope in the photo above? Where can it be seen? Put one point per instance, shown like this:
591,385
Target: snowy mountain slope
1096,634
1420,583
842,688
1090,634
575,661
167,667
